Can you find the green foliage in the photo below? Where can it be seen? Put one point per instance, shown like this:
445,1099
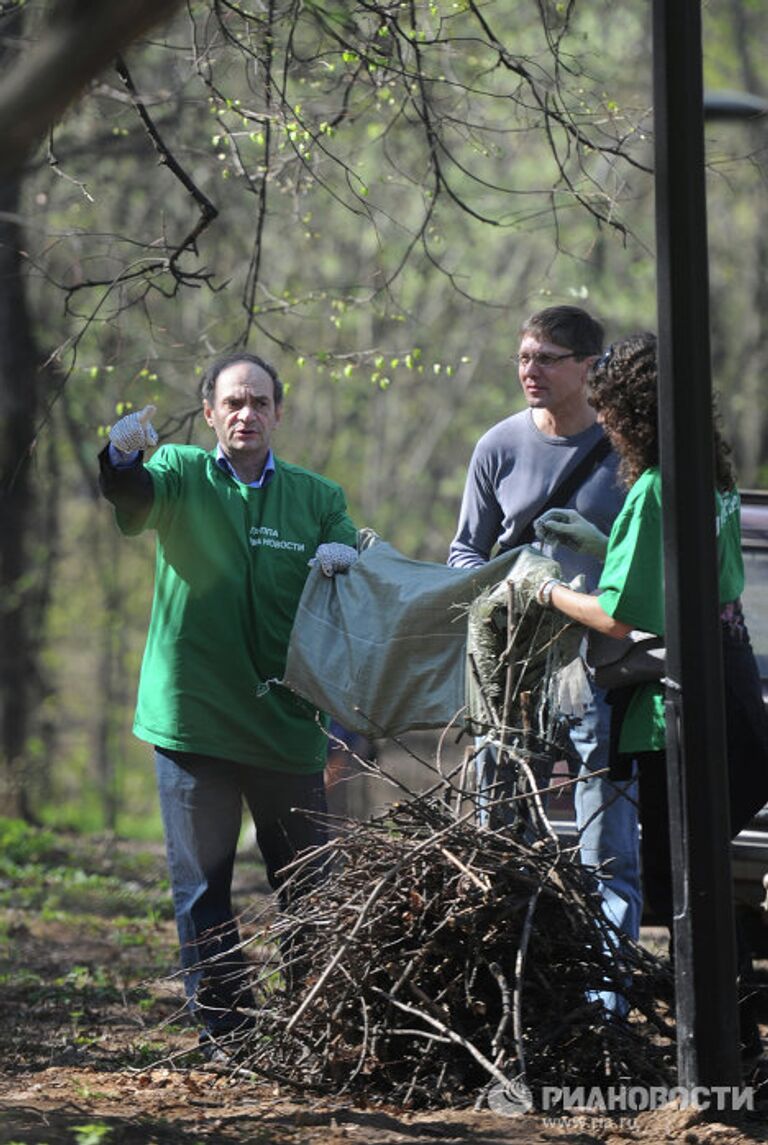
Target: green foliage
53,875
21,844
95,1133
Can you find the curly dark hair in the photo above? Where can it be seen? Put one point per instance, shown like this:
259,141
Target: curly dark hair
623,390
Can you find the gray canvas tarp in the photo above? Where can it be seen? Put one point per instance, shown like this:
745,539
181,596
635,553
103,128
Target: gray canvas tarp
382,647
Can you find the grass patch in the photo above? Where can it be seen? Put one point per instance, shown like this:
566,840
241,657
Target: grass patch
50,873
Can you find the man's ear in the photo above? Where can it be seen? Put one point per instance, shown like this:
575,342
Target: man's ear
587,363
207,412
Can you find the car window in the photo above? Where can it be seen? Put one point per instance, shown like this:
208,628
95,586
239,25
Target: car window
756,603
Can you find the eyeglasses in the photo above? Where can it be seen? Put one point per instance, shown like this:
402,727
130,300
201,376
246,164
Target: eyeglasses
544,361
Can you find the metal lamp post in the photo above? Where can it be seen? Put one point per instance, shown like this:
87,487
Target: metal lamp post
705,960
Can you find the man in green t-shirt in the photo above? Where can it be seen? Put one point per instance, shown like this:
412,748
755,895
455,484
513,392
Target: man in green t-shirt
236,529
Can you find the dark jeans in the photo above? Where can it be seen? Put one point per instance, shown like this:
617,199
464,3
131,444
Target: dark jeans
746,728
201,800
746,731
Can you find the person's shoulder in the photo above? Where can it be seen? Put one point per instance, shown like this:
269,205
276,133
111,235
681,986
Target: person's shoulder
650,479
647,488
300,476
508,428
728,503
171,451
181,460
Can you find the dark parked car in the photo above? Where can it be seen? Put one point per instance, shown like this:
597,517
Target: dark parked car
750,848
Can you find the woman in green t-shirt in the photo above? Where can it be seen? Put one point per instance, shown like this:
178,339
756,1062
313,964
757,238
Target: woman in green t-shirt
630,595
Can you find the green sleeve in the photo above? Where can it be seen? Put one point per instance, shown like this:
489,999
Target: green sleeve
730,559
338,525
164,468
632,583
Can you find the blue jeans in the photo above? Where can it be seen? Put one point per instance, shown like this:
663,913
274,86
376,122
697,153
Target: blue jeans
607,819
201,800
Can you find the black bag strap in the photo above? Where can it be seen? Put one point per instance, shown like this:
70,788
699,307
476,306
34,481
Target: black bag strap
566,488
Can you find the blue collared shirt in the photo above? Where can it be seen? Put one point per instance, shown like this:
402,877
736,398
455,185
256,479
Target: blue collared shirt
267,472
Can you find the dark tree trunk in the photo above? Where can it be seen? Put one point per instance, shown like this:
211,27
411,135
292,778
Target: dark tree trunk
19,402
78,40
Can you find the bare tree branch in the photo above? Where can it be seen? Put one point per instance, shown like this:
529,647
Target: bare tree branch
207,210
80,40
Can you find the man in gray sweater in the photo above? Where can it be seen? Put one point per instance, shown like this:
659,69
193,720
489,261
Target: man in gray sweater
514,470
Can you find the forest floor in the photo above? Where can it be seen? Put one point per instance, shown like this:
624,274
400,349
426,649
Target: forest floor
93,1050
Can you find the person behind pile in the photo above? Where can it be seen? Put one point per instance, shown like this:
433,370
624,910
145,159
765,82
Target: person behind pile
623,392
514,469
235,530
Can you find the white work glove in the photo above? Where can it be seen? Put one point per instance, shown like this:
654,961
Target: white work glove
544,591
334,557
569,528
134,431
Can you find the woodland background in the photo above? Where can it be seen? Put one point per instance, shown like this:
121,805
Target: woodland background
370,193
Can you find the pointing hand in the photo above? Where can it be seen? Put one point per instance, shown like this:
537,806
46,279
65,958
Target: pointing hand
134,431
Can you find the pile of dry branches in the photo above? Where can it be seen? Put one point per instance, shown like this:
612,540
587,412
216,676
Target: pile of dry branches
445,959
450,949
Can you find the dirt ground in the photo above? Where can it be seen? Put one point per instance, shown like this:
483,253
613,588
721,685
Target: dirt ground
93,1052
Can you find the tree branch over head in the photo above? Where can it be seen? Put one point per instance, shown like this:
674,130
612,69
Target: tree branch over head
207,210
82,38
